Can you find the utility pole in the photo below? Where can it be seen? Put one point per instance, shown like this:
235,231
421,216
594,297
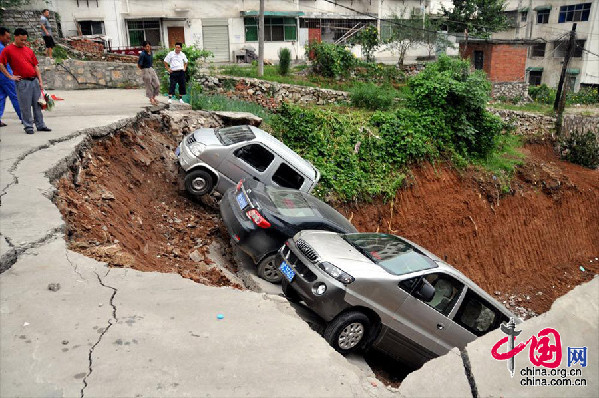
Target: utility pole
261,40
560,96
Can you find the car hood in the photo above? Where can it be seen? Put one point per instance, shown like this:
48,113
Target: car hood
206,136
331,247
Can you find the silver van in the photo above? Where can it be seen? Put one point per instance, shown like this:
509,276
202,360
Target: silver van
382,291
217,159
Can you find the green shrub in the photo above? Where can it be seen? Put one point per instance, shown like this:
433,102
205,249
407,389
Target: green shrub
200,101
349,156
453,100
331,60
542,94
581,148
284,61
371,96
585,96
195,56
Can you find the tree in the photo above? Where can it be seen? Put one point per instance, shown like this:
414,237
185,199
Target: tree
14,3
479,17
368,38
399,34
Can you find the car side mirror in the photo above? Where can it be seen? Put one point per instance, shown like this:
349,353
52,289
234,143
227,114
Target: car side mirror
426,291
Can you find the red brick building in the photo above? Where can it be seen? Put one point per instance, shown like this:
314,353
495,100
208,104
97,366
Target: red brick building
502,60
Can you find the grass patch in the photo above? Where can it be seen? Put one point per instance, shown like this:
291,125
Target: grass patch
205,102
502,162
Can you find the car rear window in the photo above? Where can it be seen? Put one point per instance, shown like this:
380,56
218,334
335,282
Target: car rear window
391,253
290,203
332,215
233,135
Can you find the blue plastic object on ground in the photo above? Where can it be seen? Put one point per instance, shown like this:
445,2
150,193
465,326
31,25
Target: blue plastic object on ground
220,316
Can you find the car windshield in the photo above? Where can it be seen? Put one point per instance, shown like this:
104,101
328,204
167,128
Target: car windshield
290,203
390,252
233,135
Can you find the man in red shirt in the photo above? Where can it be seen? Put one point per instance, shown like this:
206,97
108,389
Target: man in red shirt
28,79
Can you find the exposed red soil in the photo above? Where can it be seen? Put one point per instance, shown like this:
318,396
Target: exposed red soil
527,245
123,206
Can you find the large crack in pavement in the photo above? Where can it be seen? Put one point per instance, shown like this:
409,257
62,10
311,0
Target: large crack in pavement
111,322
468,371
11,257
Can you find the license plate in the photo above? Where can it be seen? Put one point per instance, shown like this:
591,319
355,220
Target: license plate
241,200
177,151
287,271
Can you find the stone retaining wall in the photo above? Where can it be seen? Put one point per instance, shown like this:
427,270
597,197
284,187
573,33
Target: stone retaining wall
29,20
534,124
77,75
510,90
277,91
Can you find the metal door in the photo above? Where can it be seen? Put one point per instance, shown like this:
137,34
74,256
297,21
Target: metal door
216,38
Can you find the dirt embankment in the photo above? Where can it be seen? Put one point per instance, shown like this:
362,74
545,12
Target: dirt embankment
122,205
525,248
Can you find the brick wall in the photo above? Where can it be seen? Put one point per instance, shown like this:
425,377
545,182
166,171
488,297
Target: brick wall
87,46
508,63
501,62
29,20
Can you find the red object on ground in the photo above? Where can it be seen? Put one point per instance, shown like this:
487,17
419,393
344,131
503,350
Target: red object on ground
55,98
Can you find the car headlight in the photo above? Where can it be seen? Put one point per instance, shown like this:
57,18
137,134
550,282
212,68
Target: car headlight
336,273
197,148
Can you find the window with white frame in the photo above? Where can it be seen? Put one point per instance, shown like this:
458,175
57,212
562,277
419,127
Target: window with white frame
574,13
275,29
144,30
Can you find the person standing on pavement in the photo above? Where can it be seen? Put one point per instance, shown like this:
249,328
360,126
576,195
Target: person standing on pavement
28,80
148,73
47,32
7,86
176,65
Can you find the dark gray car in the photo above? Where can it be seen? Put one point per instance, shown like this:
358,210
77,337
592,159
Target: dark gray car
383,291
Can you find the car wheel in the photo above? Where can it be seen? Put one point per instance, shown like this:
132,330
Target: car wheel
291,295
268,269
348,332
199,182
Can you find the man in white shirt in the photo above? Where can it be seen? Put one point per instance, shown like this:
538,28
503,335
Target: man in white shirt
176,65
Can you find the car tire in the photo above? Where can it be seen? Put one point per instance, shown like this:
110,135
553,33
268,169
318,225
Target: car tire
267,269
348,332
199,182
290,294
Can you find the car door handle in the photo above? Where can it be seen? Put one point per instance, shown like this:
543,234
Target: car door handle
440,326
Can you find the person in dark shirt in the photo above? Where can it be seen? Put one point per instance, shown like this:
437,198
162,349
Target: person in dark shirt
148,73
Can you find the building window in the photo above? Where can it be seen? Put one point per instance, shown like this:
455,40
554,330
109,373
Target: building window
538,50
523,16
543,16
91,27
571,82
81,3
574,13
478,60
511,18
144,30
534,77
560,48
275,29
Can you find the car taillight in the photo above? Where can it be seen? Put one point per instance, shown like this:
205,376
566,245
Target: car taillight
257,218
239,184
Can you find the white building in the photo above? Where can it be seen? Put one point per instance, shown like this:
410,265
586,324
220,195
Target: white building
225,26
550,22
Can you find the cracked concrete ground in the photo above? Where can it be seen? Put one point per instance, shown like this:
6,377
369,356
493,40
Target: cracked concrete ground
73,327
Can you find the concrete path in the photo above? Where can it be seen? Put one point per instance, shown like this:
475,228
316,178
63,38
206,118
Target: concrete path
70,326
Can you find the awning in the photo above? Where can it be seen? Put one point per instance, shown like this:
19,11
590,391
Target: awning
543,8
573,71
254,13
534,69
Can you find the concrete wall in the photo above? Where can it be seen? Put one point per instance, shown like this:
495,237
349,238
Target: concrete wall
77,75
588,64
189,14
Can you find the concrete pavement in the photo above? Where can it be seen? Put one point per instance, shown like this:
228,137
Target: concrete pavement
70,326
73,327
